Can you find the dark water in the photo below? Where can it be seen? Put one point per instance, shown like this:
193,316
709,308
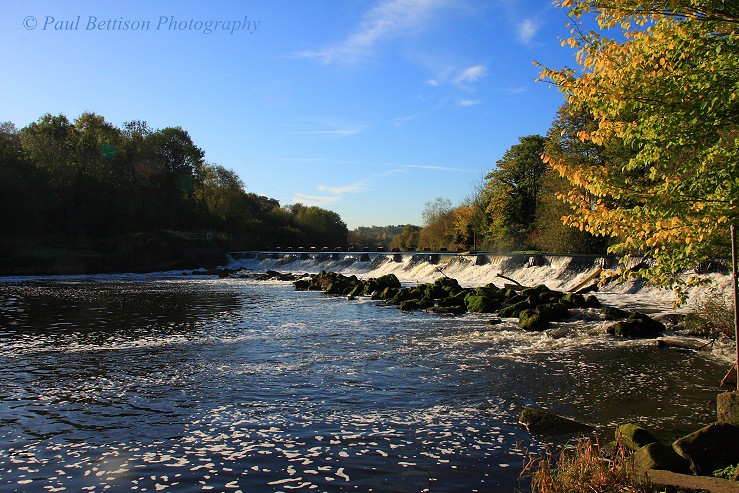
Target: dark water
203,385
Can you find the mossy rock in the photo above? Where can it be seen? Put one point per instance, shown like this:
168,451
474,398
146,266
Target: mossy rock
449,283
358,290
481,304
402,295
387,281
592,302
657,455
613,313
409,305
532,321
514,310
574,300
302,284
633,436
339,286
448,310
369,286
554,312
637,325
388,293
713,447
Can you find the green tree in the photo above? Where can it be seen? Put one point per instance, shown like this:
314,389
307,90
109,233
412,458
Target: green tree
320,226
562,141
407,239
665,85
512,194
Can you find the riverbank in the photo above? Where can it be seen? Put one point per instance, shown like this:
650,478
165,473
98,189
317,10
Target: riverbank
137,253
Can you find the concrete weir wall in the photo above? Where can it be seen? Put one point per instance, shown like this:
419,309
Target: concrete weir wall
556,271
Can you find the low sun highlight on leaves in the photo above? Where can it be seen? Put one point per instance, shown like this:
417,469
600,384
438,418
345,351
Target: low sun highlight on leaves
660,82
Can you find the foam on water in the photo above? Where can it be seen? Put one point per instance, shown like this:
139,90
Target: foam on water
190,384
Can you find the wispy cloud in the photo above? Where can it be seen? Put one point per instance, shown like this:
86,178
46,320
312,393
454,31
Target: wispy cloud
338,132
526,31
468,102
390,19
317,200
464,78
353,188
438,168
336,194
470,75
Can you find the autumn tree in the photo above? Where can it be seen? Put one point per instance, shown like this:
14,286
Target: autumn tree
407,239
512,193
437,224
661,78
563,143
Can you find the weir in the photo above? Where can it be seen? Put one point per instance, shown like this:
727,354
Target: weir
556,271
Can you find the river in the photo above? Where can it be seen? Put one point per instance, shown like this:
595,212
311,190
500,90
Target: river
183,383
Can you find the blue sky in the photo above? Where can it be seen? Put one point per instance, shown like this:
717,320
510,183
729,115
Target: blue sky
370,108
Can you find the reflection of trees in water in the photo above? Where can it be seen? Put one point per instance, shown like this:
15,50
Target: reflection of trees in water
98,310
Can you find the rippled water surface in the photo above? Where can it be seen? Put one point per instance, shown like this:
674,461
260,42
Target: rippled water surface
187,384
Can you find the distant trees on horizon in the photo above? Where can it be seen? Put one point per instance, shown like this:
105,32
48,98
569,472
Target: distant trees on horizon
68,182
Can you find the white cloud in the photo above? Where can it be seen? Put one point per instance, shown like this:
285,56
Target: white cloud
438,168
468,102
353,188
338,132
527,29
390,19
471,74
317,200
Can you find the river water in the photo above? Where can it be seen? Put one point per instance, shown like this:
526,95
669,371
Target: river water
179,383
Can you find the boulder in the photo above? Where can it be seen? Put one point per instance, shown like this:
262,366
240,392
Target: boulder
713,447
387,281
302,284
574,300
415,304
515,309
448,310
633,436
727,407
613,313
481,304
532,321
635,326
657,455
546,423
592,302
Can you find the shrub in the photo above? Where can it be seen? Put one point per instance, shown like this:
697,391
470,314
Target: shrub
713,315
582,468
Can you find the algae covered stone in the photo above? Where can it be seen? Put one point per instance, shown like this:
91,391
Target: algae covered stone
713,447
633,436
657,455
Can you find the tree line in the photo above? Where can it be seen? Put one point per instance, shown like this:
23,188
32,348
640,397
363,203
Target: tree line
642,158
75,182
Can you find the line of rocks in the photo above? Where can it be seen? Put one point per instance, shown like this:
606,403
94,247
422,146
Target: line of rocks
535,307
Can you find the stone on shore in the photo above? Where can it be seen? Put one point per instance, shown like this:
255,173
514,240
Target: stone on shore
546,423
727,407
713,447
633,436
657,455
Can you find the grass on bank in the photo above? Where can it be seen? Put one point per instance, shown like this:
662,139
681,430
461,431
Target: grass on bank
584,467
